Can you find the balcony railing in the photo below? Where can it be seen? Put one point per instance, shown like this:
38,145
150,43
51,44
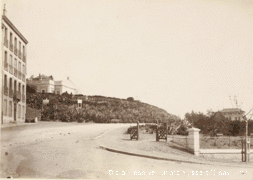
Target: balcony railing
11,47
6,41
10,93
10,68
16,51
5,90
15,72
19,74
24,58
23,98
6,65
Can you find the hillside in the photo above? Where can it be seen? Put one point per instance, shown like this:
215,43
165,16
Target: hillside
99,109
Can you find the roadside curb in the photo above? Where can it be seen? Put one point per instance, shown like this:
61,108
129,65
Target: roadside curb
175,160
16,125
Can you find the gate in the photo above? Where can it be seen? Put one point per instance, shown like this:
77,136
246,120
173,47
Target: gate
161,132
134,134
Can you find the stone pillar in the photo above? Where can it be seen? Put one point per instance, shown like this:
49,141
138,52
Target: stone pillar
193,140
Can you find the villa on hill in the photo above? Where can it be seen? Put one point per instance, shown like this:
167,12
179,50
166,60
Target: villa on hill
233,114
47,84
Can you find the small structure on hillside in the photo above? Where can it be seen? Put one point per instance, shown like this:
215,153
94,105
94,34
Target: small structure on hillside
115,121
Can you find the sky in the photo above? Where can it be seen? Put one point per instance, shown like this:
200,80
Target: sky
181,56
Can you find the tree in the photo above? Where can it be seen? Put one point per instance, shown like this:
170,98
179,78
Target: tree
130,99
31,88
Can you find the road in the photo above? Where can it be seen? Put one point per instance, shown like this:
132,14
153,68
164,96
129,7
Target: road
71,150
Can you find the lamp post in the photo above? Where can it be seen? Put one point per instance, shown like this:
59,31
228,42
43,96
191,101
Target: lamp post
247,141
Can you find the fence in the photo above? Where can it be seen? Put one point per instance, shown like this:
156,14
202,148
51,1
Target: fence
180,140
222,142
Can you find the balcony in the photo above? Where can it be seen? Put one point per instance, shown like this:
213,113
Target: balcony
5,90
6,65
10,93
19,74
16,51
23,98
15,72
24,58
6,41
10,68
11,47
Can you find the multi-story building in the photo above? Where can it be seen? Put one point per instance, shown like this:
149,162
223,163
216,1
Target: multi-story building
14,55
46,84
233,114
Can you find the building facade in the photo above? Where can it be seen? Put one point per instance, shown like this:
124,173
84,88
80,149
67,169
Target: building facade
233,114
14,61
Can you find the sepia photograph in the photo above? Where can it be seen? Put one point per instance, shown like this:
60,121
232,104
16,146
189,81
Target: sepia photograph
126,89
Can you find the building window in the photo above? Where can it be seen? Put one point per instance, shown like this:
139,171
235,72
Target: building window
58,92
15,63
24,50
23,69
19,87
10,38
19,111
43,91
15,85
10,83
19,66
23,112
5,80
10,60
5,32
5,107
20,46
15,41
5,56
10,108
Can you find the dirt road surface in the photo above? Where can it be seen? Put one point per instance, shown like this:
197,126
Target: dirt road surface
71,151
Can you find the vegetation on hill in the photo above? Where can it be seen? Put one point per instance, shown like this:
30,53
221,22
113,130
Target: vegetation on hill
64,108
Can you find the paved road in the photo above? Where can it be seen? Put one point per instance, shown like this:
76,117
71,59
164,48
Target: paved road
62,150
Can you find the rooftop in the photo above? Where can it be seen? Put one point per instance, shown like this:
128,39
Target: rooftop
7,21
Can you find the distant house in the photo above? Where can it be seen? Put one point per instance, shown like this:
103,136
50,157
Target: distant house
233,114
44,84
65,86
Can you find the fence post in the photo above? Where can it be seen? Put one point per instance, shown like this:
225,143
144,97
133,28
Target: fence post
247,149
229,142
193,143
242,151
166,131
157,132
137,130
